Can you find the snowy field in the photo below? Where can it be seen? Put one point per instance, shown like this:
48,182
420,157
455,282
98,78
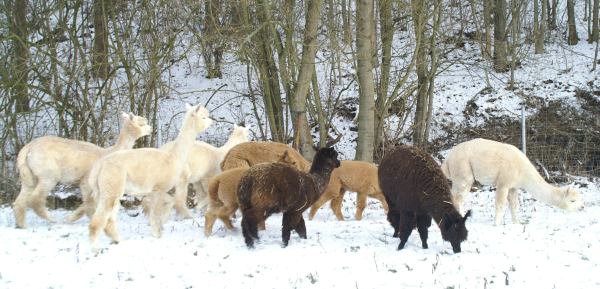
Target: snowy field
552,249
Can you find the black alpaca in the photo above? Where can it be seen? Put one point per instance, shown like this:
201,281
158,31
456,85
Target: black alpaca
417,191
275,187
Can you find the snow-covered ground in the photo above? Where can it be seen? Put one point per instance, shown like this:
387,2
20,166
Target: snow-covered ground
552,249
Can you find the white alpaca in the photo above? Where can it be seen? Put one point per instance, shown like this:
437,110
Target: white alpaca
503,165
204,162
141,172
49,160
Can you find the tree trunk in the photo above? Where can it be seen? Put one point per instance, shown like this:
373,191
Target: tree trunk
573,38
419,19
487,24
595,23
346,14
500,43
364,147
21,56
552,14
387,36
100,66
212,49
537,26
302,136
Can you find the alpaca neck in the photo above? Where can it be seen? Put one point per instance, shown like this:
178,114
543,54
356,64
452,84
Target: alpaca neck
231,142
438,204
321,177
541,190
125,141
183,142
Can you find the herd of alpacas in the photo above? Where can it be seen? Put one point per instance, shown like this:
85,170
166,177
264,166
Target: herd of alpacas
261,178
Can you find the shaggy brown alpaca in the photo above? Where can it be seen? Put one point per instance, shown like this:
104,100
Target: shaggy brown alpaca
354,176
222,193
416,191
251,153
275,187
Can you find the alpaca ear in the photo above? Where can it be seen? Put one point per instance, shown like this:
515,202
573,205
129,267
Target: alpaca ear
131,116
198,108
188,107
468,214
124,115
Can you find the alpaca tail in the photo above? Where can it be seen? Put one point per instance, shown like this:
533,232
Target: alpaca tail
92,180
213,190
244,192
25,173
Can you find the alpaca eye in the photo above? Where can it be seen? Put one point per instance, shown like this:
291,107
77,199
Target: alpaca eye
572,201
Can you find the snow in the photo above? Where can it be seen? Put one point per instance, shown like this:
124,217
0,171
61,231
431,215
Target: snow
552,249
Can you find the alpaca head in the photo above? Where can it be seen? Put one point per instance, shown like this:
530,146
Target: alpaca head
325,159
199,117
571,200
240,133
453,229
135,125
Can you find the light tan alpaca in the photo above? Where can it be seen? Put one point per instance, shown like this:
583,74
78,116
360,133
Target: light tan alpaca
506,167
49,160
251,153
355,176
141,172
204,163
222,192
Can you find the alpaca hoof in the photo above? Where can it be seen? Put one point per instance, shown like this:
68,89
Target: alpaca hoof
114,242
425,246
400,247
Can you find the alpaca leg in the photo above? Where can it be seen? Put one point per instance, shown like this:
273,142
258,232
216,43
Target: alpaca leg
361,203
301,227
394,219
406,227
318,204
86,207
181,192
38,198
209,220
225,215
202,199
249,226
111,225
289,222
381,198
513,202
423,224
100,217
501,198
20,204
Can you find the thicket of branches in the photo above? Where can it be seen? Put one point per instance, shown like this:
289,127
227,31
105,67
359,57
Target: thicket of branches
67,66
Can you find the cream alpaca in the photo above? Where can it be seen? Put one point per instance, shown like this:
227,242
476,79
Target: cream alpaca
222,192
49,160
355,176
204,163
141,172
506,167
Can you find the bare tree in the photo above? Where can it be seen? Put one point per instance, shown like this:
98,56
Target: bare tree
364,146
302,135
21,55
573,39
500,42
595,10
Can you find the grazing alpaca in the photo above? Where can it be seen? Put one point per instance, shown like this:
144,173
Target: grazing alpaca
355,176
49,160
503,165
271,188
204,163
251,153
222,191
140,172
416,191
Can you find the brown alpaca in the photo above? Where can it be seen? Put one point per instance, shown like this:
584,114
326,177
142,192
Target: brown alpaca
278,188
49,160
222,193
354,176
251,153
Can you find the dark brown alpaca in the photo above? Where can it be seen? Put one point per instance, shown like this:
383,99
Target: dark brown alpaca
417,191
274,187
